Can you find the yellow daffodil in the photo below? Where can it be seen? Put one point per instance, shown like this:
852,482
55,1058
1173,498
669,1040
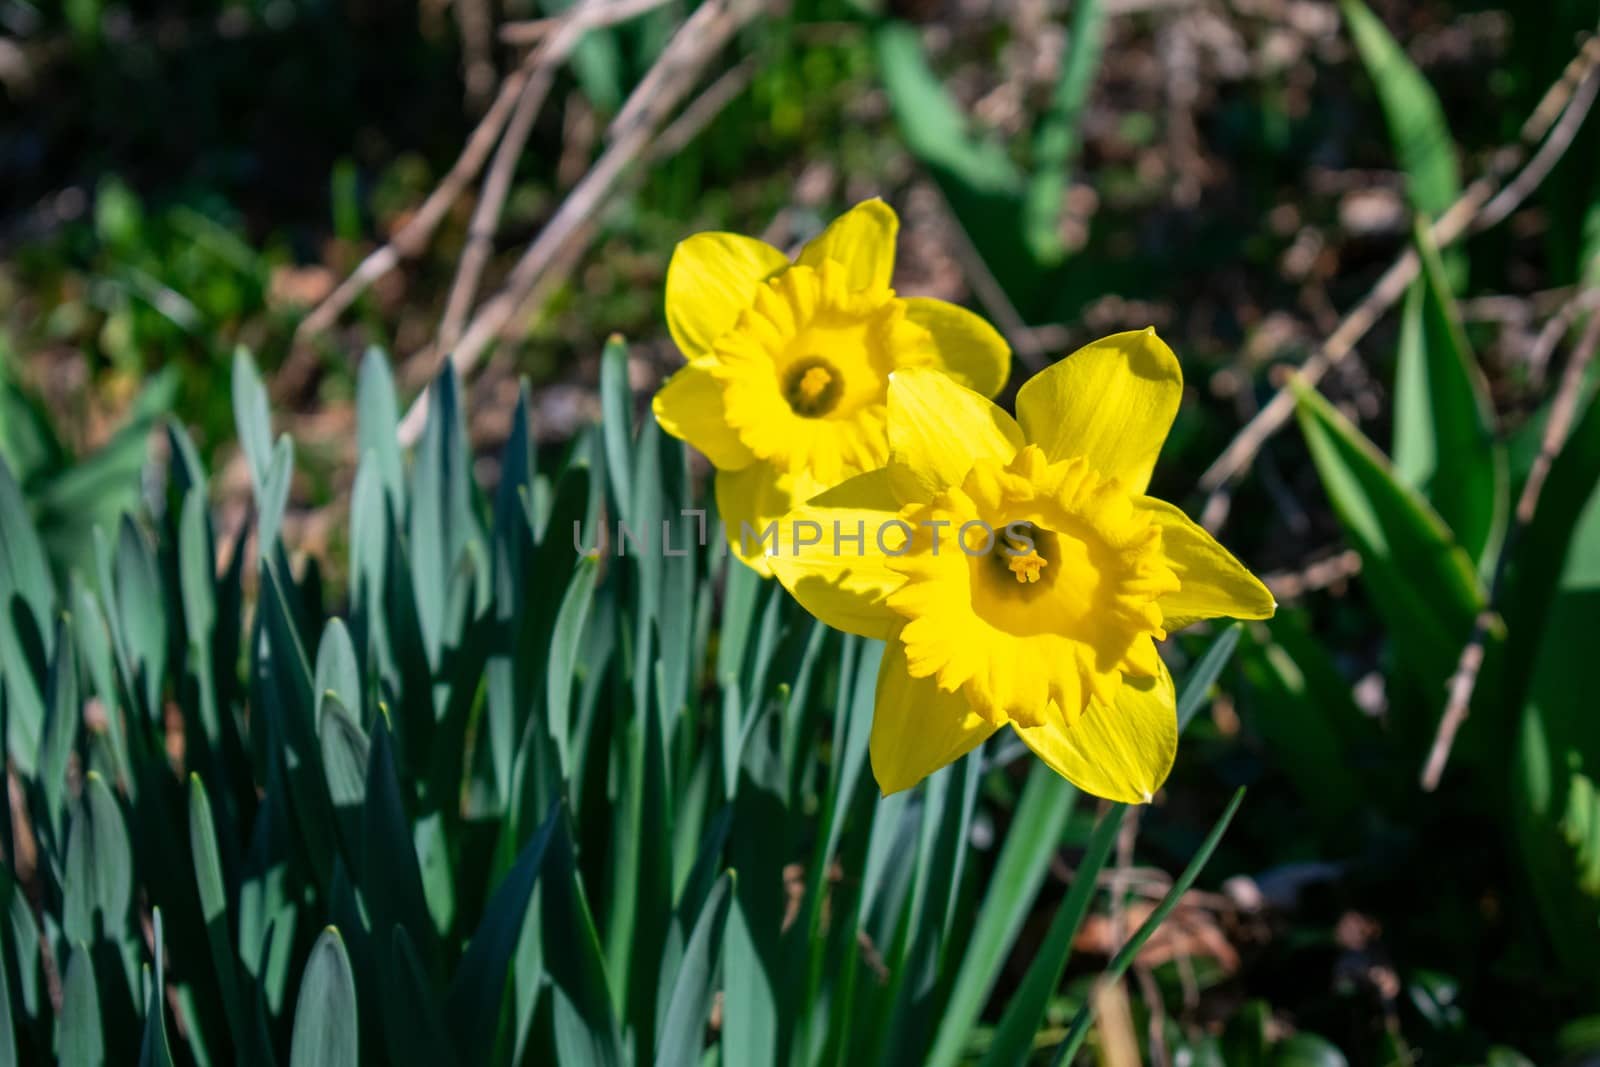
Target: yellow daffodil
789,363
1018,572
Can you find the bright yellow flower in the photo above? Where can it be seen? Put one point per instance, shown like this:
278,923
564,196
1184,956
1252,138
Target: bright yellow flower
1018,572
789,363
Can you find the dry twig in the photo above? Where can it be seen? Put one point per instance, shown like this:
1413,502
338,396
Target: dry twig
1319,574
1559,114
412,238
1462,683
497,184
694,44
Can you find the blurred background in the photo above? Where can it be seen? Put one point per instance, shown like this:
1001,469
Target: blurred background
506,181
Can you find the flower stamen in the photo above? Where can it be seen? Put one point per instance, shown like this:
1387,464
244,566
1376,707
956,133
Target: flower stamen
1027,567
813,387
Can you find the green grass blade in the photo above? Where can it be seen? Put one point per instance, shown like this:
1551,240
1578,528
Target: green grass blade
1421,582
476,991
1124,958
1013,1038
1204,674
1030,844
586,1030
1444,443
688,992
616,424
154,1050
1057,142
1411,109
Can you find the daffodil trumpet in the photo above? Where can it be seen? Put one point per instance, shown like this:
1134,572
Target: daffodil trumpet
1018,572
786,386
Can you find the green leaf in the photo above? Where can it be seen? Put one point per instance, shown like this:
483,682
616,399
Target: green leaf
326,1024
214,907
272,497
1307,1050
1411,110
154,1051
8,1024
27,608
346,755
1303,710
931,122
1534,567
477,991
1056,142
441,519
688,993
616,424
1130,950
586,1029
377,417
1444,444
566,645
1013,1037
413,1027
1421,582
1558,749
1204,674
338,670
80,1031
390,876
1030,845
64,709
98,879
252,417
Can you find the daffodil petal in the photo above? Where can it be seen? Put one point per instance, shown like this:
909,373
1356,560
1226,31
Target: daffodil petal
831,555
689,407
1122,752
1111,402
1215,584
713,277
862,241
752,503
938,429
970,350
918,727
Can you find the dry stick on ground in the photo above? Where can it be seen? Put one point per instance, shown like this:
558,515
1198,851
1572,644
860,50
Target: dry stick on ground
497,184
1465,679
1550,336
476,26
413,237
1318,574
1560,113
694,44
684,129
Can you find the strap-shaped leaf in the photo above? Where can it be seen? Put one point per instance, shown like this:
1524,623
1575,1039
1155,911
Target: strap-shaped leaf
326,1025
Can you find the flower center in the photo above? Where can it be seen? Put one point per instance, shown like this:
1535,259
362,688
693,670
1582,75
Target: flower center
1027,567
812,386
1058,603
